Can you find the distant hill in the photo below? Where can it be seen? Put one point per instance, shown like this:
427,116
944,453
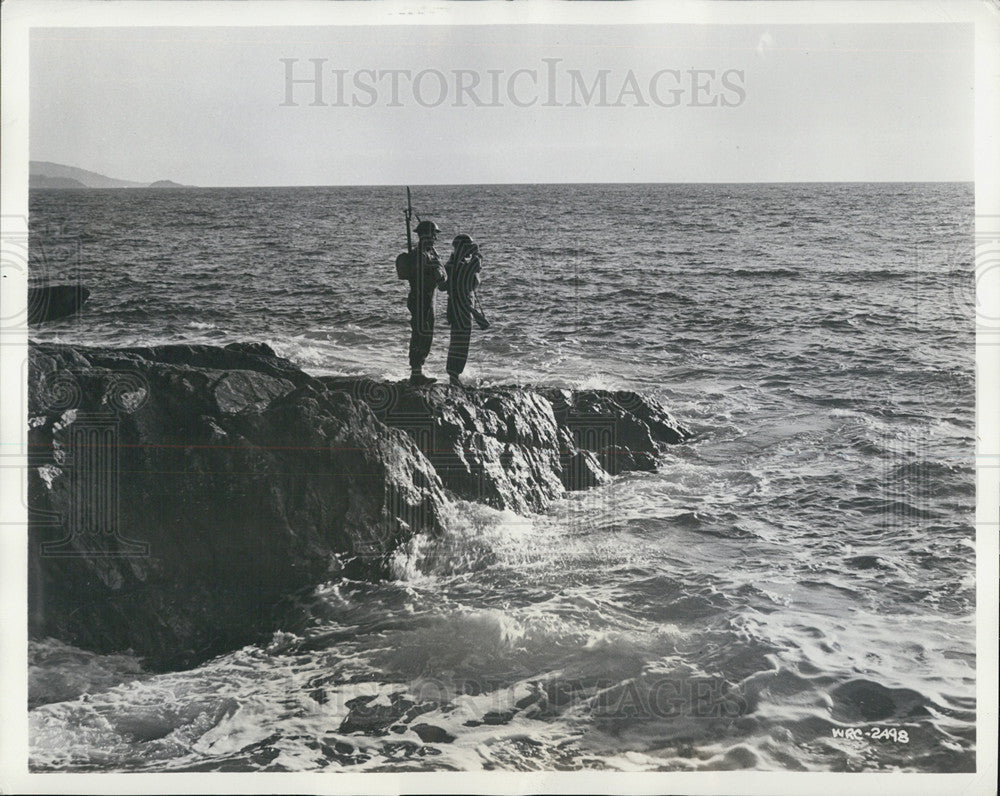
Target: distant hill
41,181
44,174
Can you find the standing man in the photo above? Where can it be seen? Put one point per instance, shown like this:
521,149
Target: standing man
423,270
463,269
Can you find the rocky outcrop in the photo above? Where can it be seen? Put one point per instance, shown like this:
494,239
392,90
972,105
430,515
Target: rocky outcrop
179,494
51,302
519,448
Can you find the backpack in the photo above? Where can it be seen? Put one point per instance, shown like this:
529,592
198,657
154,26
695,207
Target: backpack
403,265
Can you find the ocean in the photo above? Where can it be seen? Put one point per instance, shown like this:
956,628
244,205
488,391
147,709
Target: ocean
792,590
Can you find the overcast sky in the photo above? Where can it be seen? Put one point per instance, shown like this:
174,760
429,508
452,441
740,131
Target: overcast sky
208,106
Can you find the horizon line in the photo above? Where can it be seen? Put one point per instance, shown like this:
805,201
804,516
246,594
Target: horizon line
180,186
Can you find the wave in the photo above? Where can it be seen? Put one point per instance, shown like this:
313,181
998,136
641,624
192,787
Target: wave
878,275
759,272
58,671
681,298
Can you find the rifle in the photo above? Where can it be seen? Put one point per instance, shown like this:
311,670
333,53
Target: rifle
409,216
477,312
403,261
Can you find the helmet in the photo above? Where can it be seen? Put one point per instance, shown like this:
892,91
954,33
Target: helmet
462,240
427,228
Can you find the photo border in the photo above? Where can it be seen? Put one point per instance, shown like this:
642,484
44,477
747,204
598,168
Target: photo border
19,16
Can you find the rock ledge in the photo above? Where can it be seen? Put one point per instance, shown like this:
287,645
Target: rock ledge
179,495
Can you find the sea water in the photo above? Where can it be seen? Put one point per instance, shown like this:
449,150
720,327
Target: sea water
791,590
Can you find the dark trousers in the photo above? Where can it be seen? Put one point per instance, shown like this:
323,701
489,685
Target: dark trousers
458,349
421,329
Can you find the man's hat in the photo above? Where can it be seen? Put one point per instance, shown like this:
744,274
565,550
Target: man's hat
427,228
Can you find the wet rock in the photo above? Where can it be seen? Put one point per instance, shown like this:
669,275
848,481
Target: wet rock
370,716
419,710
428,733
865,700
865,562
519,448
498,717
246,391
397,749
51,302
530,699
178,494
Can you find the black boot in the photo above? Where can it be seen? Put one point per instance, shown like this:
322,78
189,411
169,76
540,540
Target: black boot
455,380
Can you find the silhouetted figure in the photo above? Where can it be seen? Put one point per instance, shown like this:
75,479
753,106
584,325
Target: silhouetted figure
463,269
422,269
